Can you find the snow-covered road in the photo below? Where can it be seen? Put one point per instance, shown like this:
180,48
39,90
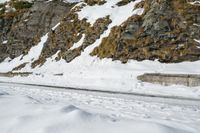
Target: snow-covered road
49,110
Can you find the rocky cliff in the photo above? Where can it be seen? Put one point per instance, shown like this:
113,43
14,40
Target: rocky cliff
167,30
21,29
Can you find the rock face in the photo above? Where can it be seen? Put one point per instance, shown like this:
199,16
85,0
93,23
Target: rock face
166,31
93,2
24,29
70,31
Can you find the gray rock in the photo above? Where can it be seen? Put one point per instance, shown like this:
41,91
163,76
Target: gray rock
70,55
25,30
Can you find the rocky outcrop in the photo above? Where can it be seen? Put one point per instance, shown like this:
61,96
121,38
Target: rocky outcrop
13,74
70,31
24,29
93,2
166,31
123,2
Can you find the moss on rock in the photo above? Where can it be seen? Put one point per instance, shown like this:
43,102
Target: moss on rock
94,2
18,5
70,31
123,2
165,31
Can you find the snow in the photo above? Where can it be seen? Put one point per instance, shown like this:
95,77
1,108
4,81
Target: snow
32,55
92,73
198,42
3,1
79,43
196,25
117,14
39,110
58,24
197,2
5,42
108,75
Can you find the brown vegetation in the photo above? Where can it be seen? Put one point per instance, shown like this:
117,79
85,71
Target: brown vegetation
165,32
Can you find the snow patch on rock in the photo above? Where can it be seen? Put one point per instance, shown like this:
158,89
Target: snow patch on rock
117,14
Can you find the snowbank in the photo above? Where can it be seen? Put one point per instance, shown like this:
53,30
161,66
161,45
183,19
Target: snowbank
25,114
92,73
3,1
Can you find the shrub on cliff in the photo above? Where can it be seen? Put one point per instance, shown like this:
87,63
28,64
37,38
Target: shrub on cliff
22,5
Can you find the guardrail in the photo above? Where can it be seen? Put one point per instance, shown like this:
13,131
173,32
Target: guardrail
190,80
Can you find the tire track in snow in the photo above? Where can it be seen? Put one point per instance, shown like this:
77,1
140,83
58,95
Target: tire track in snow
177,100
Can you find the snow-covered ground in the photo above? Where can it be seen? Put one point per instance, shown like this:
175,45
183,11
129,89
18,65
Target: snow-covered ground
2,1
26,109
92,73
41,110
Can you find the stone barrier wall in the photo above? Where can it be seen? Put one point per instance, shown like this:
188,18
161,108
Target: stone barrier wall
190,80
